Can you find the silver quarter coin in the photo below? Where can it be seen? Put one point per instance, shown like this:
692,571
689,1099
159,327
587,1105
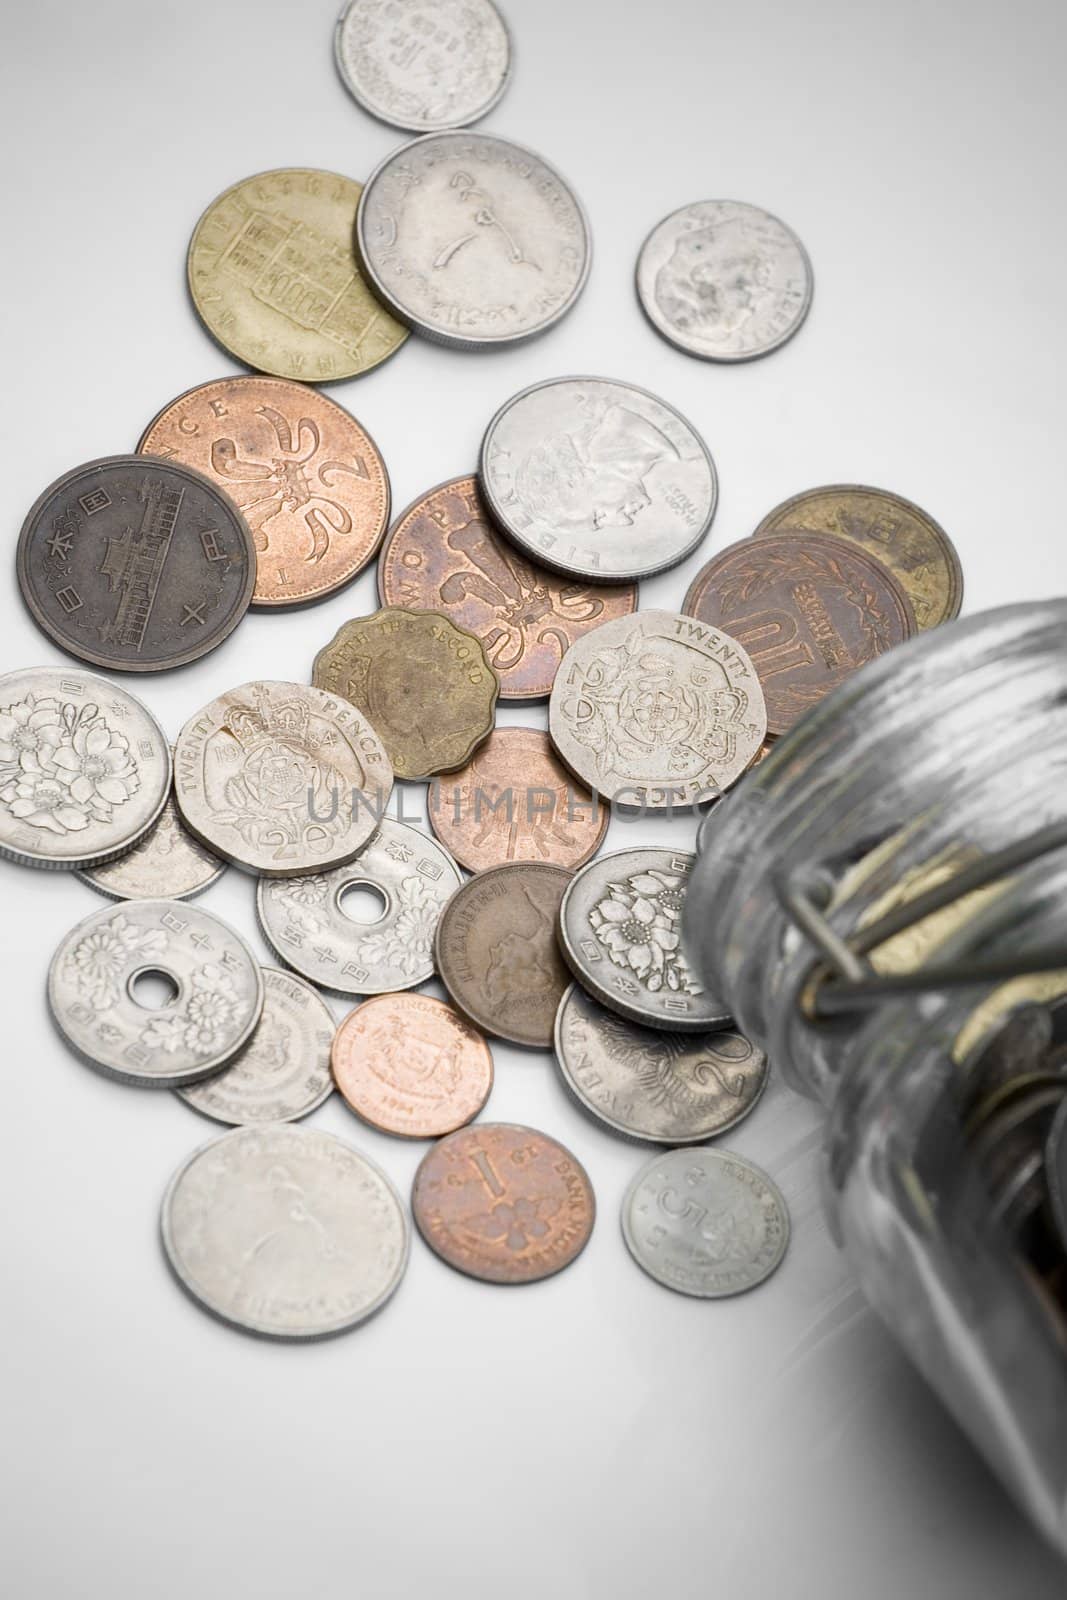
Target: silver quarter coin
84,768
705,1223
167,864
423,65
645,1083
620,926
396,889
281,778
285,1231
285,1071
216,992
724,280
471,240
657,711
598,479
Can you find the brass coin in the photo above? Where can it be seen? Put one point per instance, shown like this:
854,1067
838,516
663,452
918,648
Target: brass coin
273,276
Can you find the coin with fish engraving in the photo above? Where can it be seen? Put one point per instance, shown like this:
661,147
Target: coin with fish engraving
423,65
167,864
409,1064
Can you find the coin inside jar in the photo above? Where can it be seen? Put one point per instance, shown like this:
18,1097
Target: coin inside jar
410,1065
388,64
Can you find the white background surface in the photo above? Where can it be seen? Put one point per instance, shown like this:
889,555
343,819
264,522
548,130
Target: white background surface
593,1435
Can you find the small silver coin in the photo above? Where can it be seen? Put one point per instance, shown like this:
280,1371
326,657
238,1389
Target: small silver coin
167,864
471,240
284,1073
705,1223
598,479
724,281
84,768
284,1231
423,65
645,1083
406,877
216,982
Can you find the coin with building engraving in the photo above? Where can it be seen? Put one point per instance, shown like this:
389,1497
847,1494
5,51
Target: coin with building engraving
135,565
167,864
423,64
409,1064
503,1203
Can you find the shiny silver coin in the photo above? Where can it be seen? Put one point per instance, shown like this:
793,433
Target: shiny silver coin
724,281
167,864
645,1083
84,768
368,927
284,1073
423,65
285,1231
598,479
705,1223
216,992
471,240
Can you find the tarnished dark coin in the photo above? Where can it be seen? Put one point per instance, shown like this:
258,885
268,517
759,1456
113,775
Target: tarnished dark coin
136,565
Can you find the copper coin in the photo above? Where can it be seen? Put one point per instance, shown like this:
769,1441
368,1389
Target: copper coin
809,610
443,553
497,953
307,477
409,1064
503,1203
516,801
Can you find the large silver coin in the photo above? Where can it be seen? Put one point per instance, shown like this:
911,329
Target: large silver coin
471,240
621,935
724,280
167,864
285,1072
657,711
285,1231
217,992
404,877
598,479
644,1083
423,64
705,1223
281,778
84,768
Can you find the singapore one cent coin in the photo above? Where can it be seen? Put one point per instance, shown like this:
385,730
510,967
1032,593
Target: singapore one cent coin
472,240
285,1072
307,478
136,565
497,951
423,65
724,280
705,1223
285,1231
598,479
670,1088
657,711
214,979
410,1065
918,552
809,609
425,685
275,281
85,768
281,778
503,1203
167,864
365,928
443,554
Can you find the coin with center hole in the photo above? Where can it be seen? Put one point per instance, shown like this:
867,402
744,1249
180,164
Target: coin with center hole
423,64
410,1065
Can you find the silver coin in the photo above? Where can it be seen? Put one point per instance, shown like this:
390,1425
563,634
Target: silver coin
284,1073
473,241
285,1231
84,768
423,65
167,864
657,711
705,1223
645,1083
724,280
281,778
598,479
216,982
406,876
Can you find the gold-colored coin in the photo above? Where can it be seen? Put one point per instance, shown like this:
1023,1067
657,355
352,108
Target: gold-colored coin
273,275
425,685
